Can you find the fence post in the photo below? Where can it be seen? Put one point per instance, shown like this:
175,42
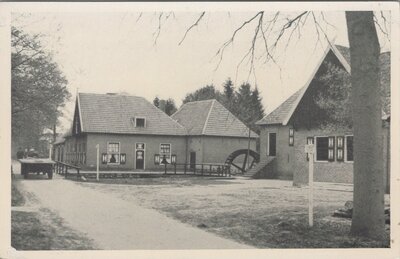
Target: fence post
77,175
210,169
175,168
66,172
202,169
184,168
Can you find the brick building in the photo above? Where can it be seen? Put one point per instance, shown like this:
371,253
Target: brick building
130,131
297,121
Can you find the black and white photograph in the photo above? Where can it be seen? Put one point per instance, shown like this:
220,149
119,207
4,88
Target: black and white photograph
200,130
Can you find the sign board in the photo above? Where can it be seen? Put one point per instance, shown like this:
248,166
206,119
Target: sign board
309,148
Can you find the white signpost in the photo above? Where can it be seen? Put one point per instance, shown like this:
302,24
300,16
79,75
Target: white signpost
97,162
50,149
309,149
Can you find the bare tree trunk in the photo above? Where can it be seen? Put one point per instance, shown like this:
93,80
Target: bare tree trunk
368,211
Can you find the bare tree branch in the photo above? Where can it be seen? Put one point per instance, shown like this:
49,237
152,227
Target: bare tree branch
158,31
140,16
221,50
384,31
191,27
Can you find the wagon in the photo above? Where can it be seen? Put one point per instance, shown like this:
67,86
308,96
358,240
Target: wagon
36,165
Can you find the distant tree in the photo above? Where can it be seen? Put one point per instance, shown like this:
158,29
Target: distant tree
257,107
205,93
168,106
229,96
244,103
156,102
38,89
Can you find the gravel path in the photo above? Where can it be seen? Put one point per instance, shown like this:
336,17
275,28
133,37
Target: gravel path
118,224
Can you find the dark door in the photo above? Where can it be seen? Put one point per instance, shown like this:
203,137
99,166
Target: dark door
272,144
140,159
192,160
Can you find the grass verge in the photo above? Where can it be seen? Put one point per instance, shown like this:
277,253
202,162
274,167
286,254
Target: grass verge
17,199
44,230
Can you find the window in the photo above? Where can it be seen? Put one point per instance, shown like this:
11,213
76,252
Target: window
339,148
349,148
325,147
291,137
272,144
165,150
113,153
140,122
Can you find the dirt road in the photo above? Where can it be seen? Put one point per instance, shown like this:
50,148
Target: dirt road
114,223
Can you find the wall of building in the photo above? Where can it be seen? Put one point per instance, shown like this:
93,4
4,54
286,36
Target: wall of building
195,144
335,171
291,161
74,151
217,149
285,154
127,146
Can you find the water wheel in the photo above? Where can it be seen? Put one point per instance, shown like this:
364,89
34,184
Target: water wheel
242,160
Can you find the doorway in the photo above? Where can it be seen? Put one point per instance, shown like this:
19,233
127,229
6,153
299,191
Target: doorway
192,159
139,156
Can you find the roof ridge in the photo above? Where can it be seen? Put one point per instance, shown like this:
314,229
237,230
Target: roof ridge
208,100
79,110
208,116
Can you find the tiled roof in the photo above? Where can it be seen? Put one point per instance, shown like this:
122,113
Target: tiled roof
211,118
106,113
280,114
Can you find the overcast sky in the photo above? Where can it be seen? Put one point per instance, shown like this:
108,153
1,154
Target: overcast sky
117,52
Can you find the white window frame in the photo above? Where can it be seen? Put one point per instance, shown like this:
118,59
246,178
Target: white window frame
119,152
170,152
144,118
276,135
144,154
315,149
345,149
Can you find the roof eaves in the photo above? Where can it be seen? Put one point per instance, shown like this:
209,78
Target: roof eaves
80,112
341,58
208,116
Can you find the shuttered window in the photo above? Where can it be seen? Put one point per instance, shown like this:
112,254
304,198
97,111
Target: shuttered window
113,153
325,147
349,148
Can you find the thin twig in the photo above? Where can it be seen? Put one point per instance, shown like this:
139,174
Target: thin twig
192,26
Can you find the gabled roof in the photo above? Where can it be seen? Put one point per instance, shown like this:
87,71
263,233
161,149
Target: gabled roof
283,113
114,113
211,118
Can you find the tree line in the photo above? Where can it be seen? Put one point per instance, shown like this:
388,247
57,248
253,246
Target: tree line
244,102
